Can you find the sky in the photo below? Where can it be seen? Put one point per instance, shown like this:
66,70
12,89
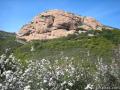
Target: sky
16,13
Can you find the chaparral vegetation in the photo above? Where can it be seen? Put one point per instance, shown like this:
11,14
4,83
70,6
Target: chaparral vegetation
76,62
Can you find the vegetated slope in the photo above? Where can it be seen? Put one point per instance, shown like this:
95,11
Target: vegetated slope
4,34
101,44
88,60
7,42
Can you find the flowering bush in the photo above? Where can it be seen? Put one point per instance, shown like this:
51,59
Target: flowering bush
63,74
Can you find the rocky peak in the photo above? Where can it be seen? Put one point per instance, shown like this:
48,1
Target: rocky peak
55,24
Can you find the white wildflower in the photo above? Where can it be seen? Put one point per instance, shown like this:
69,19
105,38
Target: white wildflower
32,49
66,58
70,83
42,89
7,74
63,83
89,86
44,81
66,89
27,87
0,85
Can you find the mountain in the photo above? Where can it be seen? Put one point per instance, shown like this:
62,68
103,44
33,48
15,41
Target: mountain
57,23
54,53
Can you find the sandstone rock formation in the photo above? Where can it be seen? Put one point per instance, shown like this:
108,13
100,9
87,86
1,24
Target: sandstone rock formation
55,24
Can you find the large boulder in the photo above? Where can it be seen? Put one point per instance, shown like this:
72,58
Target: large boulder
55,24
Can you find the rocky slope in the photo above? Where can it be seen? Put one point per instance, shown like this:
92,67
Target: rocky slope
55,24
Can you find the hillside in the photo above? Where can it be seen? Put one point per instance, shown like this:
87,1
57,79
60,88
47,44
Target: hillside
4,34
7,42
71,62
83,60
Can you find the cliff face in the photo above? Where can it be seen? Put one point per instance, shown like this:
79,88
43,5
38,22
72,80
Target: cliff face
55,24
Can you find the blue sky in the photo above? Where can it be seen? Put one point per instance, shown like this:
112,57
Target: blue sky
15,13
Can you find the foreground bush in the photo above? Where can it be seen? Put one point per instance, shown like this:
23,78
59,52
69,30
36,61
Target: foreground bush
63,74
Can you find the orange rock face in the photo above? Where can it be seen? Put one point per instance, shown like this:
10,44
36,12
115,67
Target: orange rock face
55,24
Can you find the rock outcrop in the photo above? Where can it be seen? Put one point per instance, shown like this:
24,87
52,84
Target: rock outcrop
55,24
